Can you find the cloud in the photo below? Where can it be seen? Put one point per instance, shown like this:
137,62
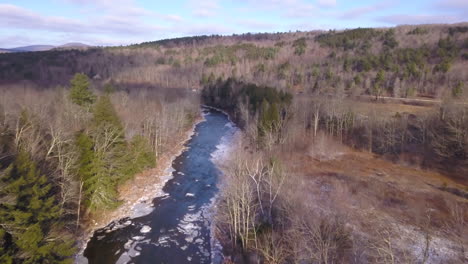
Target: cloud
14,17
18,40
326,3
401,19
116,7
204,8
305,10
457,4
255,25
362,11
307,26
173,18
287,8
102,3
459,7
202,29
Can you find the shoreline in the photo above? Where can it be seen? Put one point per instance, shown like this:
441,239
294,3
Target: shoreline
149,182
223,156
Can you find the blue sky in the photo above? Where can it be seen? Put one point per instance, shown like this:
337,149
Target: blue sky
116,22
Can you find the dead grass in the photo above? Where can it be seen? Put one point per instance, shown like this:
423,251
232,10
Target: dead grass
389,109
373,194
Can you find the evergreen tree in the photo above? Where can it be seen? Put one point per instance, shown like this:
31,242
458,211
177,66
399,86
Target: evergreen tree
104,114
106,159
80,93
95,172
28,211
269,117
139,157
378,82
86,165
109,88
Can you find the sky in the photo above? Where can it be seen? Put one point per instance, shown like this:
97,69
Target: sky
122,22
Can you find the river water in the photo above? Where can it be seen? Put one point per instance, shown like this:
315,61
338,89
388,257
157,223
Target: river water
177,229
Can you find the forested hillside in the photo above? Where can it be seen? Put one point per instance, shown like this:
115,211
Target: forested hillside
406,61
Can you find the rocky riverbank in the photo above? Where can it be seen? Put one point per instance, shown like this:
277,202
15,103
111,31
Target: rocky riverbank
137,194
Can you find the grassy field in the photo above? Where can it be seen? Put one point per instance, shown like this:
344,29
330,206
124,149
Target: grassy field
380,201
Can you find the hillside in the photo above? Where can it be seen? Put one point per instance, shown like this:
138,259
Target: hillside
406,61
36,48
32,48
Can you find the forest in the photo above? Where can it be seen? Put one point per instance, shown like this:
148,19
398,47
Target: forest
354,143
64,152
266,215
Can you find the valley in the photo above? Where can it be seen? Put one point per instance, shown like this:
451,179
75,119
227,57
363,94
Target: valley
350,146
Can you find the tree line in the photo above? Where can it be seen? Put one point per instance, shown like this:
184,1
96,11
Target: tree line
392,62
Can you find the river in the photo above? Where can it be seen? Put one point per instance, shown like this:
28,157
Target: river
177,229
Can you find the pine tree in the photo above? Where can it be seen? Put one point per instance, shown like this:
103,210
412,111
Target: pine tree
103,161
98,183
28,210
104,114
80,93
269,117
378,82
139,156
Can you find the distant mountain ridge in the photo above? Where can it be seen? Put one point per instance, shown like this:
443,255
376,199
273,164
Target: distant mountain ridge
31,48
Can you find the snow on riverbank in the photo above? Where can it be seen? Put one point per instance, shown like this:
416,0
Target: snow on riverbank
224,149
151,185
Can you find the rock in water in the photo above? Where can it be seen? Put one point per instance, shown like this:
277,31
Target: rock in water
145,229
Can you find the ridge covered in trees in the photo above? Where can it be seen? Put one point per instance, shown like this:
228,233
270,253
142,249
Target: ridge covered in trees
412,61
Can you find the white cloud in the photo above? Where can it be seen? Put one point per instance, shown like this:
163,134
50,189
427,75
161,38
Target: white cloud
204,8
202,29
401,19
115,7
358,12
361,11
452,4
14,17
18,40
255,25
173,18
287,8
326,3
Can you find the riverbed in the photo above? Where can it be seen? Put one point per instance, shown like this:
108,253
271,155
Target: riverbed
176,227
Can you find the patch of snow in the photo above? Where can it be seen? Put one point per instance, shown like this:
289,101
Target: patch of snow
145,229
128,244
141,209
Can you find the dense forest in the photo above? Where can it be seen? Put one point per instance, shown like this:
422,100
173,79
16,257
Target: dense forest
63,153
354,143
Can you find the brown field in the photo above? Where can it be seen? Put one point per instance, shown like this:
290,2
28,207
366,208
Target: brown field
382,201
390,109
